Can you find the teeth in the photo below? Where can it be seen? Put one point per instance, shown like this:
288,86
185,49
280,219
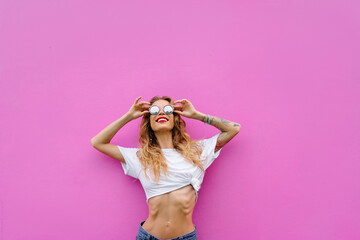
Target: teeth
162,120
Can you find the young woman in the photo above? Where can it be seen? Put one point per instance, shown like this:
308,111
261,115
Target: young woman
169,165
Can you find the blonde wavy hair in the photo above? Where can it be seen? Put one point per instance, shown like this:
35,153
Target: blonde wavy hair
150,153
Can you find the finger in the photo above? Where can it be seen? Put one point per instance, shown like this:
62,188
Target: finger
178,112
144,102
144,112
183,101
179,101
137,99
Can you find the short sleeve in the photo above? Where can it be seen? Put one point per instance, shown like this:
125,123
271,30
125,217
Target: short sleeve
132,167
208,153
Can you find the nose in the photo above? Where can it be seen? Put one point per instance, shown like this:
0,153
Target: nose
161,111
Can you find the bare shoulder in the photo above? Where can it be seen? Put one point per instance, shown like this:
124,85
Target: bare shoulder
224,138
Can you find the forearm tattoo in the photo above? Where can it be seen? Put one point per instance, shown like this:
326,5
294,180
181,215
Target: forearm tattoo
219,123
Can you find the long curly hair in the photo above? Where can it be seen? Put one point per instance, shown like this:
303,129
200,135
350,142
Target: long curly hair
150,153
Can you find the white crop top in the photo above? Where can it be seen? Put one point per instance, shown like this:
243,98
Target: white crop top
180,171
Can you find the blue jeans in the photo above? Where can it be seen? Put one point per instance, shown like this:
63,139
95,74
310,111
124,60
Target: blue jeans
143,235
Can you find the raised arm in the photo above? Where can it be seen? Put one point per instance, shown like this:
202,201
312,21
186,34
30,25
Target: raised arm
102,140
228,129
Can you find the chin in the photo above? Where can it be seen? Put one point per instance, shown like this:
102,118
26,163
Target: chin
163,128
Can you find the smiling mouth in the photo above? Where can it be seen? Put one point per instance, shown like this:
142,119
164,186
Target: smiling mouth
162,120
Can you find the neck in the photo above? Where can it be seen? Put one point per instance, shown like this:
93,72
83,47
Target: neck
164,139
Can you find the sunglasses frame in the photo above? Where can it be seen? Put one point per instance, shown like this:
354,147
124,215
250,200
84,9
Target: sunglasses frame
163,109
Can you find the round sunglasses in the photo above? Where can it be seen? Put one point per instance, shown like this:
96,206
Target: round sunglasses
168,109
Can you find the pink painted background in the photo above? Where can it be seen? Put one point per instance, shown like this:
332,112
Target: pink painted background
287,71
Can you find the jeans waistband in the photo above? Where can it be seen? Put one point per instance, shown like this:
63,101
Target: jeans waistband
145,235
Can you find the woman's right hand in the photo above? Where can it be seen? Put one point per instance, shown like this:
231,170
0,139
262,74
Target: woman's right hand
138,108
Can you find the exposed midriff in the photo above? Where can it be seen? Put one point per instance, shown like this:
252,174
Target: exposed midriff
170,214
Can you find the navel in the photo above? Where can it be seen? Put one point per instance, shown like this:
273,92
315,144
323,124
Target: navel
168,223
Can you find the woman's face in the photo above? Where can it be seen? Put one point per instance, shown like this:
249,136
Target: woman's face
161,121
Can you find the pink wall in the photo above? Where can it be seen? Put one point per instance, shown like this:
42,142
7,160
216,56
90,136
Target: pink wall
287,71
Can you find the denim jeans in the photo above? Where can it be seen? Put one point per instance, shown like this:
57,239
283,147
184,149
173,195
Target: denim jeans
143,235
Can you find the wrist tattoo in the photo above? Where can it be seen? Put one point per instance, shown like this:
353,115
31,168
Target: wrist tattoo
206,119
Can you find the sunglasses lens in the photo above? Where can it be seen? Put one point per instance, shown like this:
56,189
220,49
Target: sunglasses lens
168,109
154,109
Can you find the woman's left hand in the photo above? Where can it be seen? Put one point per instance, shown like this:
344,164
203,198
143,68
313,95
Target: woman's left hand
186,109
